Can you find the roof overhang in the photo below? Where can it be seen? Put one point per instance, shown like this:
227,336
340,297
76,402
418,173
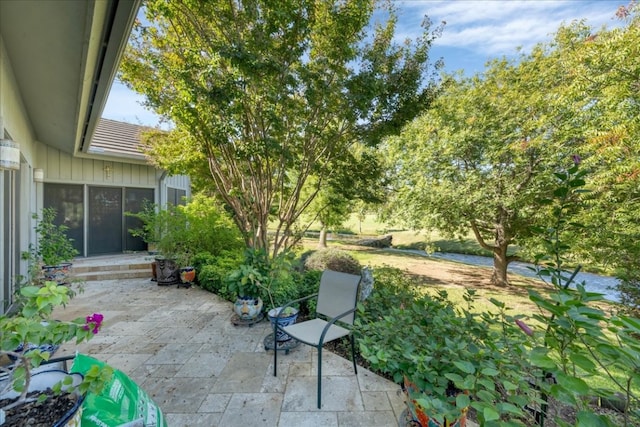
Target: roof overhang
65,55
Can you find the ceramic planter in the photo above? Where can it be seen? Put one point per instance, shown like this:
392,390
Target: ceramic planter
187,274
167,272
40,381
282,320
57,273
247,308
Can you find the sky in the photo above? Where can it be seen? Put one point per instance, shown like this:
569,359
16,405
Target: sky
475,32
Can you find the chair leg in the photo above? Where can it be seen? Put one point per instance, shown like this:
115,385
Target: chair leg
275,350
319,377
353,354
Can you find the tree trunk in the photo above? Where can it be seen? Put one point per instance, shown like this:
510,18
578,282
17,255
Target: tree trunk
500,263
322,242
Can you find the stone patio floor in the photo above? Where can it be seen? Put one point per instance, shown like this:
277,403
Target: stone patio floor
180,346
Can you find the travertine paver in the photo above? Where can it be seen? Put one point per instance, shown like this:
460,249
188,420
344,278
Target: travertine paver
180,346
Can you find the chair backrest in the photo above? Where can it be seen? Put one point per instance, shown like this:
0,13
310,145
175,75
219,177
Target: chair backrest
338,293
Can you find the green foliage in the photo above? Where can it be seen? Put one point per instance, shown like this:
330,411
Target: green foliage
482,156
213,272
34,326
180,232
580,340
309,284
609,103
273,279
210,227
148,216
262,107
53,247
333,259
445,350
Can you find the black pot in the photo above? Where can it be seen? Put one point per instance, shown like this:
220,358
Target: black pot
167,272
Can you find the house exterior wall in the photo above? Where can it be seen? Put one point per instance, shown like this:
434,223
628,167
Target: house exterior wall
97,176
17,189
22,196
60,167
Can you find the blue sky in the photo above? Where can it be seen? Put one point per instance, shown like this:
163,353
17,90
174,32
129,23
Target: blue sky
475,31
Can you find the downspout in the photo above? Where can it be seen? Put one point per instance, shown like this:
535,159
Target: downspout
161,186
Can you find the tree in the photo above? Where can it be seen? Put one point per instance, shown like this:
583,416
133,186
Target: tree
266,94
484,153
607,79
362,181
482,156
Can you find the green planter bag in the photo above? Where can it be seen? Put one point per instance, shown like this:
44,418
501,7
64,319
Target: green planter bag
122,401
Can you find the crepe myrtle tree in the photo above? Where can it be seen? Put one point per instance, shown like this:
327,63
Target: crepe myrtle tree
265,94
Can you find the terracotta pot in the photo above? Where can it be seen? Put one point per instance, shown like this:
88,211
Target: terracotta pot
416,413
154,272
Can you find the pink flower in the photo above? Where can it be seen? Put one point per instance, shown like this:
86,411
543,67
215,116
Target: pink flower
527,330
94,322
576,159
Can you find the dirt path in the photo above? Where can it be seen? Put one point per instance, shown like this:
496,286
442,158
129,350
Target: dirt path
450,275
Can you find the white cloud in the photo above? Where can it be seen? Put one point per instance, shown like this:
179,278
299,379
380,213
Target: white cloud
496,28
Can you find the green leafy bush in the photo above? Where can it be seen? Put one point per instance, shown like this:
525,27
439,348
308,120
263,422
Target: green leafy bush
309,284
333,259
181,232
457,358
580,344
212,271
211,228
54,247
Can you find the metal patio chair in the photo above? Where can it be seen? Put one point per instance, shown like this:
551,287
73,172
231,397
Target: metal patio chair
337,299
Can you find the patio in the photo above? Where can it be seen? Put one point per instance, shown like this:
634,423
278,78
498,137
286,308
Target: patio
180,347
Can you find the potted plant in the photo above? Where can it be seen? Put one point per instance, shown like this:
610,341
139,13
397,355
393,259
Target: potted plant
172,227
147,231
277,286
186,269
54,250
243,283
26,381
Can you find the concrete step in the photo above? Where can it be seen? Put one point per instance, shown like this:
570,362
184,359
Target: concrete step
128,266
89,276
83,269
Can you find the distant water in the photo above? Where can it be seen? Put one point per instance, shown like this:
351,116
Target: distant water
605,285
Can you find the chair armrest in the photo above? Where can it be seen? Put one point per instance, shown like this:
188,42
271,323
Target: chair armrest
290,303
331,322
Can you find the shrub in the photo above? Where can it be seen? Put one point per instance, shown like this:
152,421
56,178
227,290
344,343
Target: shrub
213,271
210,227
180,232
444,350
308,284
333,259
393,288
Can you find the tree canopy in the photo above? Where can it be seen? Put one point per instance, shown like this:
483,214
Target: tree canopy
483,157
265,94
